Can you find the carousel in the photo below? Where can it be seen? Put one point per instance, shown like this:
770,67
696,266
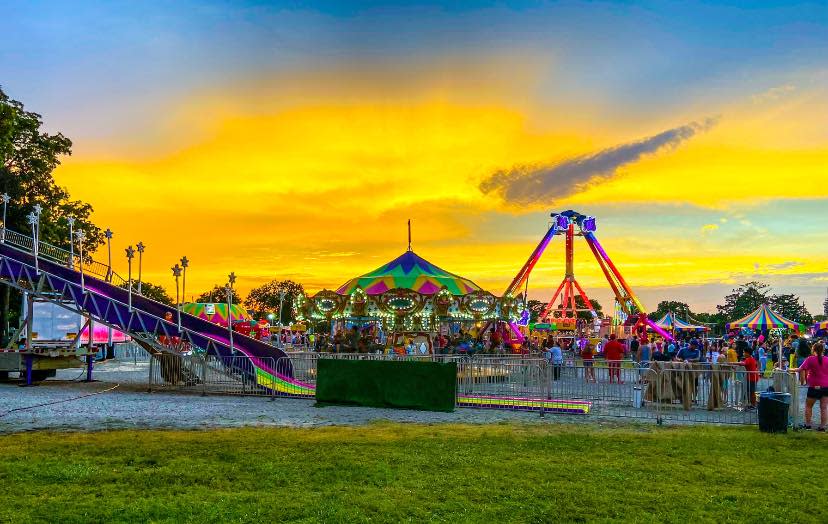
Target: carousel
407,299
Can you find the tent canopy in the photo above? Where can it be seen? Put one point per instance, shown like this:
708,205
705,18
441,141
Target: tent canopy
764,318
215,312
409,271
671,321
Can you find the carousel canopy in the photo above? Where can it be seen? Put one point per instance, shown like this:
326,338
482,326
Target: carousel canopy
409,271
670,321
215,312
764,318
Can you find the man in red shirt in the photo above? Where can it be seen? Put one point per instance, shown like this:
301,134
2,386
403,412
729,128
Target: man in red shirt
613,353
752,372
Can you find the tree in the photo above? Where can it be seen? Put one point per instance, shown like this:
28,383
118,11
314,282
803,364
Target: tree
744,299
791,307
268,298
535,308
219,295
748,297
28,158
157,293
681,310
587,315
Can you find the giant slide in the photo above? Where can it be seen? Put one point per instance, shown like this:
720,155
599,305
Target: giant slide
87,291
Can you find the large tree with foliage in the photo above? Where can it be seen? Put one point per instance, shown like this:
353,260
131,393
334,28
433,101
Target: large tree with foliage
681,309
28,157
746,298
157,293
535,308
791,307
269,297
218,294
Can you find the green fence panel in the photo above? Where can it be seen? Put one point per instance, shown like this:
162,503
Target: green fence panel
427,386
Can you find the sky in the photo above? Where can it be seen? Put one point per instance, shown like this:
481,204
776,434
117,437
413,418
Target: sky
295,139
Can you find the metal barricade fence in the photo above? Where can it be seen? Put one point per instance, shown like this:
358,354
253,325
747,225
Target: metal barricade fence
131,352
669,392
210,374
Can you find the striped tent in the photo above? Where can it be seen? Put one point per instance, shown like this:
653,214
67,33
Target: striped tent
215,312
764,318
671,322
409,271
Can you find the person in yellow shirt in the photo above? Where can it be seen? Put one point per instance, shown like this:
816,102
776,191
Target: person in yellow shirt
731,354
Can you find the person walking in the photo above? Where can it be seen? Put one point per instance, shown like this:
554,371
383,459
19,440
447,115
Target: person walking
613,353
588,358
557,360
816,368
752,372
643,358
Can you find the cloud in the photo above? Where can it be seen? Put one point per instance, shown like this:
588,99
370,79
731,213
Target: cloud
536,184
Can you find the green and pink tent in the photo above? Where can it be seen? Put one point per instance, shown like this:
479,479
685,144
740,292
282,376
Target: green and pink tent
409,271
215,312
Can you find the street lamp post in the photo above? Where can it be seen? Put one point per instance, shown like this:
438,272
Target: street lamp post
140,260
80,235
281,301
108,235
229,287
176,269
185,262
71,221
130,253
5,198
33,219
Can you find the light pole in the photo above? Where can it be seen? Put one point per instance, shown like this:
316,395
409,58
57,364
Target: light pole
281,301
80,235
176,269
71,221
5,198
184,264
39,210
229,287
108,235
130,253
140,260
33,219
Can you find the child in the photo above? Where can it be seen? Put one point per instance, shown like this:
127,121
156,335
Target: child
588,357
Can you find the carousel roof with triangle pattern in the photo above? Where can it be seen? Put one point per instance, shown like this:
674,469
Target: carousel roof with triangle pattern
409,271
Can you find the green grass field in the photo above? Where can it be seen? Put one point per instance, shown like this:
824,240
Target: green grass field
392,472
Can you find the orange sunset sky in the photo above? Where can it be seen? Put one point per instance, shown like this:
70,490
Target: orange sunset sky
288,141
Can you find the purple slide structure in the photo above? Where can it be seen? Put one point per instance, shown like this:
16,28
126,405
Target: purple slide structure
108,303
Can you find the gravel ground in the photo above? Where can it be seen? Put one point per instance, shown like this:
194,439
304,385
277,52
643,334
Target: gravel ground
130,406
119,399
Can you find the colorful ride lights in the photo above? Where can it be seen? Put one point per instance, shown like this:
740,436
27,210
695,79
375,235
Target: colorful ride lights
563,220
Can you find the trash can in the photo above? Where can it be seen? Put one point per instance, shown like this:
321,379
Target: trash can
773,412
637,397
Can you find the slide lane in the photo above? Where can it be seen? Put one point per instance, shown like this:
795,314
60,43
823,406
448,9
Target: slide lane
292,387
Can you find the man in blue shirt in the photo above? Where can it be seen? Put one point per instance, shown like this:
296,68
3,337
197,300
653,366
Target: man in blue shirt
689,353
557,360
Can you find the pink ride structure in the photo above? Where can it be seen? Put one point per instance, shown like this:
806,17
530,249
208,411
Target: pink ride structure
565,312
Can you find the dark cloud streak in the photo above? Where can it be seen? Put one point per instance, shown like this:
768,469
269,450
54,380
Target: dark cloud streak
544,184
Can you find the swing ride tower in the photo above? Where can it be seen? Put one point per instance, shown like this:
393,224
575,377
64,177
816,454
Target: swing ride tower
563,308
